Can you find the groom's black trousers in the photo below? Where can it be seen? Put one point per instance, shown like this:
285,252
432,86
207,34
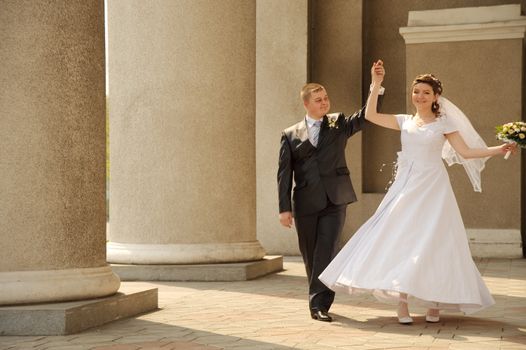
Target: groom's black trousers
318,237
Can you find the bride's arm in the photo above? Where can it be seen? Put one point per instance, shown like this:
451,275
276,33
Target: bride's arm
371,114
460,146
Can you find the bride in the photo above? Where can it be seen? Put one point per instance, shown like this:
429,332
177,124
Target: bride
414,248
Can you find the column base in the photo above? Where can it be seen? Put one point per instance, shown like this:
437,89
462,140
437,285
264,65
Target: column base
27,287
206,253
495,243
200,272
76,316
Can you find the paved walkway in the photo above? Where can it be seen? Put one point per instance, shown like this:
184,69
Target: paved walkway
271,313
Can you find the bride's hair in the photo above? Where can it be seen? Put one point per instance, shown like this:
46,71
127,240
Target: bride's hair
432,81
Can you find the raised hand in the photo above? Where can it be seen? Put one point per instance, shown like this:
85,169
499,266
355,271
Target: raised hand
377,72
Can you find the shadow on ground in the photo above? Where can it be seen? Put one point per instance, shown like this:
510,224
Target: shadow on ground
132,334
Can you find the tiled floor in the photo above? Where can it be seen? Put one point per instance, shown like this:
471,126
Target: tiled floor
271,313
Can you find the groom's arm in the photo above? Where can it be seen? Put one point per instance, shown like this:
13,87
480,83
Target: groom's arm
285,175
356,122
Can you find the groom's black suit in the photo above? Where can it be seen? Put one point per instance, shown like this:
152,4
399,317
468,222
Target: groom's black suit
322,191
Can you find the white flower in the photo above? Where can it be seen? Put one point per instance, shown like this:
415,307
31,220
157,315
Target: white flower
332,121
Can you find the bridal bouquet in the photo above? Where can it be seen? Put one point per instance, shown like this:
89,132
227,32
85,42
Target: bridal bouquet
512,132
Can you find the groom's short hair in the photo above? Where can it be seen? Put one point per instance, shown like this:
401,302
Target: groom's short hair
308,89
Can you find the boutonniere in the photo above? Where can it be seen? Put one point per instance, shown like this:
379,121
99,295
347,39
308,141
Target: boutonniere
331,121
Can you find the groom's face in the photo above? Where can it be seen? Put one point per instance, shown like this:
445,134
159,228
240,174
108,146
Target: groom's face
318,104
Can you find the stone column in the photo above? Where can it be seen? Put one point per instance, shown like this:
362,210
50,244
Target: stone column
182,132
478,55
52,152
282,31
336,63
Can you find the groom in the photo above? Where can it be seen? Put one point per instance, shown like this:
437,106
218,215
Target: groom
313,152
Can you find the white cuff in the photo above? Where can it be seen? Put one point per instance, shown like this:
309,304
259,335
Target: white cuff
381,92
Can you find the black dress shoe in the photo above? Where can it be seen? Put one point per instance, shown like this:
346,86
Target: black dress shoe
320,315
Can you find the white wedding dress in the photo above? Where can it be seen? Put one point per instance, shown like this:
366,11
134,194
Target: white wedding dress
415,242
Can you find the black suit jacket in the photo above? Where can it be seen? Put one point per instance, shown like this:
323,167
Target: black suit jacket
319,172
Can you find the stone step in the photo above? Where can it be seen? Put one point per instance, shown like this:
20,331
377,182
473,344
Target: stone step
75,316
240,271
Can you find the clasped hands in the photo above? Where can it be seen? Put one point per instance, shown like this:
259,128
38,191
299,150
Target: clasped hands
377,73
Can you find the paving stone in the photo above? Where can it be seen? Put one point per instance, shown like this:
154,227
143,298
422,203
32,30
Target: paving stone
271,313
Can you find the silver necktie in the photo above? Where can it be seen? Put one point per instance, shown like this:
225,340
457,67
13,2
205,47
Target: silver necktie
315,132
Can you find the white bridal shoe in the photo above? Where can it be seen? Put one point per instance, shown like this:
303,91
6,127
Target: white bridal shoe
432,318
404,319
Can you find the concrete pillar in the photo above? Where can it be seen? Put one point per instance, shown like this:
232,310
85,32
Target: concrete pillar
52,152
182,132
336,62
477,53
282,32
